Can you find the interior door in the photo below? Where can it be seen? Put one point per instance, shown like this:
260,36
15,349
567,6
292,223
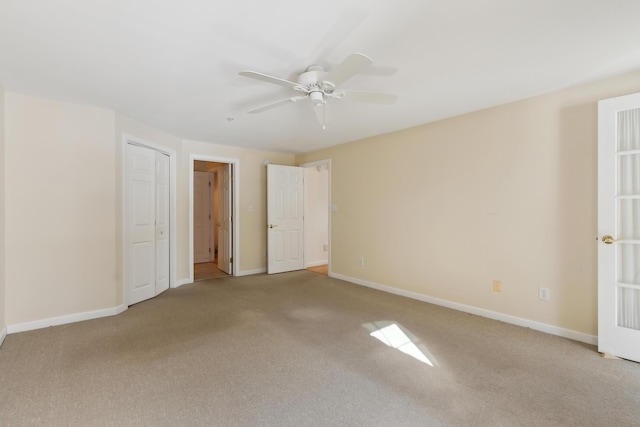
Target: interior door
202,217
619,227
285,218
140,221
226,219
162,222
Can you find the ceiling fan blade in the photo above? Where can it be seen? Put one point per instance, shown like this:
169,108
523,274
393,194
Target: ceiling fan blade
351,66
272,105
268,79
373,98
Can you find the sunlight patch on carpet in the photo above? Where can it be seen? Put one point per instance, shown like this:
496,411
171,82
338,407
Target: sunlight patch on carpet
395,336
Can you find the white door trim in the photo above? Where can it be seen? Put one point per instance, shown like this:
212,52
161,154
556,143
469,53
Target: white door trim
173,253
320,163
235,231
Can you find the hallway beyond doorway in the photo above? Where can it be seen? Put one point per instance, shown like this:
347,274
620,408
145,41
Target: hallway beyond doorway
322,269
207,271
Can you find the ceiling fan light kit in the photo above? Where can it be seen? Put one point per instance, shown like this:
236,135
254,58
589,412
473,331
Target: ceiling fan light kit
319,85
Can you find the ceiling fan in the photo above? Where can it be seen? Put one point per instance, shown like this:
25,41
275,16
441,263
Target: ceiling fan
319,86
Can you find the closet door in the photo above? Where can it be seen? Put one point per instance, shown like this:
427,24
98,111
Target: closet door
162,222
147,201
140,222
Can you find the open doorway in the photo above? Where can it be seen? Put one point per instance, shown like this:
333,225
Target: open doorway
316,224
212,237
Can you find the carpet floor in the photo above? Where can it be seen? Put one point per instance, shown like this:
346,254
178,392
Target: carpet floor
304,349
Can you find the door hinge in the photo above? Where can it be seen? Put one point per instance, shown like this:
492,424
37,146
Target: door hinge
209,216
231,259
209,183
209,250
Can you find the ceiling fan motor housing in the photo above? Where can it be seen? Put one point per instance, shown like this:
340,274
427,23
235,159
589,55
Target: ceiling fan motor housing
312,77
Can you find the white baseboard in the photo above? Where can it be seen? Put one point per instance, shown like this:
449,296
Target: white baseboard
62,320
317,263
182,282
519,321
3,334
252,272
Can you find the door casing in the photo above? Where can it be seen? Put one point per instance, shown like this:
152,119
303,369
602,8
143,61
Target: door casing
235,226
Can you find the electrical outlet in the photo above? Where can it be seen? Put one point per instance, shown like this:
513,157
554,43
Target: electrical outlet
361,261
497,286
544,294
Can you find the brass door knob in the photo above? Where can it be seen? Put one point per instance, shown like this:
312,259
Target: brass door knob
607,239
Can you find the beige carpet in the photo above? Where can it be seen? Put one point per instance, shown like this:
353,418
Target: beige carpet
295,349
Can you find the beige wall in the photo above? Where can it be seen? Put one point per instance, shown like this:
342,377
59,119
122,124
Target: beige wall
64,205
3,317
60,192
253,194
507,193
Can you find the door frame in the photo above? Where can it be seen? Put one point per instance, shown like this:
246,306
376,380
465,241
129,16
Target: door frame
235,212
173,247
316,163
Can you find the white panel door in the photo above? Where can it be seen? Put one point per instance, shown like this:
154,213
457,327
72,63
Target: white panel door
162,222
619,227
140,220
225,188
202,217
285,218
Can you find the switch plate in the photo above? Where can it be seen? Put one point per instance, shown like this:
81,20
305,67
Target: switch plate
544,294
361,261
497,286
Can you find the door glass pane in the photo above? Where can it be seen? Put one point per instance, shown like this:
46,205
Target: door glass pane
628,219
629,308
629,130
628,174
629,263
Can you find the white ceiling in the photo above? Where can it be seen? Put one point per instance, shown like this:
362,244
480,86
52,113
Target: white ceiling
174,64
